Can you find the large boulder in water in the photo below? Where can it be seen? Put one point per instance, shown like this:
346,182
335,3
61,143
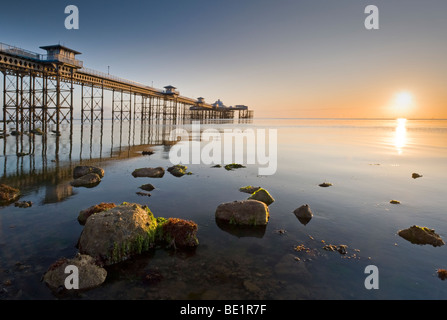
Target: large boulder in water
117,234
86,213
90,275
157,172
245,212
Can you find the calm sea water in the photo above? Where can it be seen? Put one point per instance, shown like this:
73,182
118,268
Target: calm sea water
369,163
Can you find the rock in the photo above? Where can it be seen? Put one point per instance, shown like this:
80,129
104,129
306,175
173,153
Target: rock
249,189
147,187
421,235
442,274
15,133
90,274
147,153
23,204
340,248
182,233
304,214
178,170
246,212
89,180
149,172
80,171
86,213
394,201
232,166
119,233
37,131
262,195
325,184
8,194
217,166
416,175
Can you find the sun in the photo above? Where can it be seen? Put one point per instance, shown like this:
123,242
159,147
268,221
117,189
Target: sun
404,99
403,103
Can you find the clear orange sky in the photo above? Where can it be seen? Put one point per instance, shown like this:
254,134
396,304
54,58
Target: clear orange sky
283,58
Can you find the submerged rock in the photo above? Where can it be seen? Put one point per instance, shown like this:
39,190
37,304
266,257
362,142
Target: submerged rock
421,235
262,195
86,213
117,234
249,189
304,214
178,170
88,180
23,204
80,171
8,194
157,172
245,212
90,275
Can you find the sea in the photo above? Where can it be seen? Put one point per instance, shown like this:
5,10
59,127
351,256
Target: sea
365,164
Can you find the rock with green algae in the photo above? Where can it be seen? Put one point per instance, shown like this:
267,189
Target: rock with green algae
129,229
8,194
325,184
421,235
90,275
232,166
178,170
182,233
249,189
263,196
119,233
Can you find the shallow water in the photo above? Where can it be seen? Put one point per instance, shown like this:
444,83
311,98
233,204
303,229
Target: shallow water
369,163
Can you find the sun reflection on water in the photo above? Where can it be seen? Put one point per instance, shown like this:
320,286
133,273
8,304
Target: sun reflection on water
400,136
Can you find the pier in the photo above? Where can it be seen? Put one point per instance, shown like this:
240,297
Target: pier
38,91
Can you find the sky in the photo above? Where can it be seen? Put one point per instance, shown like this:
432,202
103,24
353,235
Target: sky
282,58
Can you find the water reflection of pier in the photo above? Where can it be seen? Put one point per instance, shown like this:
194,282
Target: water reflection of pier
31,160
